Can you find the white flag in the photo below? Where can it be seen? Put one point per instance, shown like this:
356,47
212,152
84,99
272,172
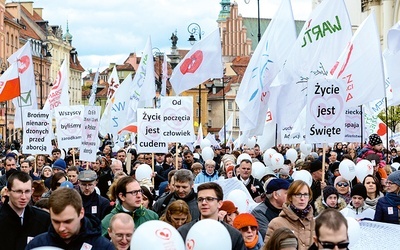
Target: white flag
164,76
94,89
391,58
324,36
228,127
202,62
360,65
58,95
113,85
199,137
267,60
28,97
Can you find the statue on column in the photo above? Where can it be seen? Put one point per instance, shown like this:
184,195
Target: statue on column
174,39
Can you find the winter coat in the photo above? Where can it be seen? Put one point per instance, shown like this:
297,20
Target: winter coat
320,205
191,200
387,210
89,237
256,183
203,176
371,203
303,229
264,213
13,235
140,216
361,213
96,205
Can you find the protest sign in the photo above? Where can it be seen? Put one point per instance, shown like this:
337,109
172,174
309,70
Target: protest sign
37,132
177,118
325,110
353,124
150,139
69,120
90,131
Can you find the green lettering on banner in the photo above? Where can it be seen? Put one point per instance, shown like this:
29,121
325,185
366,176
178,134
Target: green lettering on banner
320,31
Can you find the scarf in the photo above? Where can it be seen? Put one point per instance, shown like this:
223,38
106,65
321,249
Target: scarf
372,202
393,199
252,243
302,213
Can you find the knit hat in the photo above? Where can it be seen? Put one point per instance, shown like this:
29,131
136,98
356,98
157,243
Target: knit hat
229,207
359,189
395,177
329,190
60,164
315,166
374,139
244,220
276,184
51,170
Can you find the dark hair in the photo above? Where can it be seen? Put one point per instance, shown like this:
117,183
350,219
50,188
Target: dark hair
56,150
278,237
43,203
121,151
54,180
330,218
121,186
18,175
184,175
63,197
377,184
146,192
73,168
212,185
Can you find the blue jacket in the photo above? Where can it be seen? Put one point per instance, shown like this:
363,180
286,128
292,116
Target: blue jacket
382,212
203,177
96,205
89,234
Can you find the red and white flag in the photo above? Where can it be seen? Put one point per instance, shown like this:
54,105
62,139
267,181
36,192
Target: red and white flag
58,95
9,84
28,97
202,62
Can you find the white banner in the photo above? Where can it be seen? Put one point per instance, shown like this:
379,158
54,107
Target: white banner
149,137
287,137
177,118
37,132
69,120
90,132
353,125
325,110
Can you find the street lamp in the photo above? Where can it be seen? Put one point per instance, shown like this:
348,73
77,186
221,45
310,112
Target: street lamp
44,52
258,17
157,53
195,29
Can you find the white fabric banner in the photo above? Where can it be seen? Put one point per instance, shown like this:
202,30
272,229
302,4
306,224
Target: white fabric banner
37,132
89,146
69,121
58,95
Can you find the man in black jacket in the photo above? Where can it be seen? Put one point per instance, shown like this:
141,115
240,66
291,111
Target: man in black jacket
252,184
19,221
70,229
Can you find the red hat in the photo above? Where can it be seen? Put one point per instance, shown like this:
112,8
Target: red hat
229,168
229,207
244,220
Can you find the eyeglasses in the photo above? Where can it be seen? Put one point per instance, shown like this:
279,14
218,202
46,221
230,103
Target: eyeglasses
207,199
121,236
331,245
135,192
342,184
245,229
389,183
301,195
21,192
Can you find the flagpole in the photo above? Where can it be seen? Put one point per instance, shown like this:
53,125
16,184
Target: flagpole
387,127
362,126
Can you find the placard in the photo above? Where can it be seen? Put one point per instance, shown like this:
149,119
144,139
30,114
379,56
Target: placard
89,146
37,131
150,139
69,121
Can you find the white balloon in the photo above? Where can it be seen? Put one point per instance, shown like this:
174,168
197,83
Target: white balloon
240,199
364,168
395,165
291,155
303,175
354,231
156,234
277,161
143,172
251,142
205,143
208,234
207,153
305,148
347,169
257,170
267,156
242,157
196,156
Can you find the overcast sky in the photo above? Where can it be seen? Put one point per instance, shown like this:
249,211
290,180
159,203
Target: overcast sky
107,31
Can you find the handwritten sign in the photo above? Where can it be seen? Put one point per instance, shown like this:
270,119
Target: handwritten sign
37,132
150,139
177,117
325,110
69,120
89,146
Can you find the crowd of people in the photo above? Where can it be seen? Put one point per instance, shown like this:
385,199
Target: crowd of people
58,200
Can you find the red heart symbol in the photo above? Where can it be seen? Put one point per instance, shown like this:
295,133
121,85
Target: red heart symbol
149,130
191,64
177,124
381,129
24,64
190,244
331,101
164,233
